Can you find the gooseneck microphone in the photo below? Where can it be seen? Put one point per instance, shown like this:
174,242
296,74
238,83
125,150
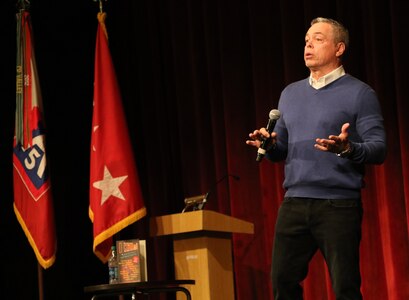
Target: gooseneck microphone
274,115
198,202
235,177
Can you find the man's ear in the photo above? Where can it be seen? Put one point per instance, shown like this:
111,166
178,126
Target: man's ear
340,49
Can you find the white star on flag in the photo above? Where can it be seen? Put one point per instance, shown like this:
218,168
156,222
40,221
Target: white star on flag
110,186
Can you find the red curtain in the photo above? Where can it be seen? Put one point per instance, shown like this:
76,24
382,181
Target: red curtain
198,76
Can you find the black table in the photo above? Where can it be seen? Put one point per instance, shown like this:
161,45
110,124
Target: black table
139,288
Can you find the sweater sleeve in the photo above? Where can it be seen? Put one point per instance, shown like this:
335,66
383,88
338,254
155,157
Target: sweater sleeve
369,143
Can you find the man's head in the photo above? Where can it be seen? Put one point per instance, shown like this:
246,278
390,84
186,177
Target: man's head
325,43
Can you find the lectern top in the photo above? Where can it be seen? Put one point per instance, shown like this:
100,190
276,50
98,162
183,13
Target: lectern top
199,220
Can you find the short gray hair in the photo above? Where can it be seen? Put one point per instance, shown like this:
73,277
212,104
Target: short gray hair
341,34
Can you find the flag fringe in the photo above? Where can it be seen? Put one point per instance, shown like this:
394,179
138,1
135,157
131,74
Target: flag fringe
117,227
45,263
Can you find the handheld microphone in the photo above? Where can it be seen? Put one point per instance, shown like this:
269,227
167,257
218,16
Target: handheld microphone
274,115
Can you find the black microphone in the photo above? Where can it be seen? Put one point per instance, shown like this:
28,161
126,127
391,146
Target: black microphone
214,186
220,180
274,115
198,202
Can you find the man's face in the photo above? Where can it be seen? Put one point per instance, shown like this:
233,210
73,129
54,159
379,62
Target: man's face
321,53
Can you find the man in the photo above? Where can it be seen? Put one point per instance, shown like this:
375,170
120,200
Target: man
330,127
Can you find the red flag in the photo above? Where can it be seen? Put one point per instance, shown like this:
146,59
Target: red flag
32,194
115,195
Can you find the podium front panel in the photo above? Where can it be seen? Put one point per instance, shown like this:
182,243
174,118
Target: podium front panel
207,260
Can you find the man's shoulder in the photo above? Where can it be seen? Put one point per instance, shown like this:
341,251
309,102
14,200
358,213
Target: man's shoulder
350,79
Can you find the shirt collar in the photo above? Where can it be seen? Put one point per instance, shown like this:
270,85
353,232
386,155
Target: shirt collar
327,79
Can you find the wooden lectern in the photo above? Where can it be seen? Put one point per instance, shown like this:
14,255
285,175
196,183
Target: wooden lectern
202,250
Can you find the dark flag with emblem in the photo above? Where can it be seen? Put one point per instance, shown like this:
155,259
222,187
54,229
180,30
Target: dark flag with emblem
32,194
115,195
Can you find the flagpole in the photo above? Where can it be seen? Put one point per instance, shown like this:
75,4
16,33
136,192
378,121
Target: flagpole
21,6
27,97
101,10
40,282
110,182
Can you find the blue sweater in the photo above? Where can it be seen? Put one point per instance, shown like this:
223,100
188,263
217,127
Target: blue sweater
307,114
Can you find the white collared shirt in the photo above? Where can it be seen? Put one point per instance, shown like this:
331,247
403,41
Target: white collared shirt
327,79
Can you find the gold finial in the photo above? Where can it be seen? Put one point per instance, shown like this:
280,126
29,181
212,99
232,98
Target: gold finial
23,4
101,8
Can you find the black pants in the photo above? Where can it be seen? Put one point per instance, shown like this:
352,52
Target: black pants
306,225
